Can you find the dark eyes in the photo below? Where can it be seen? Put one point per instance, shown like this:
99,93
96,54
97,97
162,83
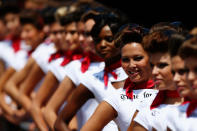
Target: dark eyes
125,60
138,58
56,32
108,39
180,71
162,65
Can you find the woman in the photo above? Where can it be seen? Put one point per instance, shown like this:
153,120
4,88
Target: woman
183,117
98,84
158,44
91,63
137,89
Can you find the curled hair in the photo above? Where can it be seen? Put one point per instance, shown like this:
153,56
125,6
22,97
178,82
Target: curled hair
32,17
112,19
175,42
157,41
189,48
162,26
129,33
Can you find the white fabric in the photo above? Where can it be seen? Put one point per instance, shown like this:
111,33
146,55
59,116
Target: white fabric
58,70
126,107
95,83
178,121
154,118
6,52
73,70
42,54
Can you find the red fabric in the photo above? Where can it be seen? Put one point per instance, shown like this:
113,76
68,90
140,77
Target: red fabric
109,69
130,86
192,106
89,57
70,56
56,55
159,99
16,45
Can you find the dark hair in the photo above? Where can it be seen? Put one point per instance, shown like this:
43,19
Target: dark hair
112,19
175,42
161,26
9,8
189,48
74,16
48,14
32,17
157,41
130,33
93,12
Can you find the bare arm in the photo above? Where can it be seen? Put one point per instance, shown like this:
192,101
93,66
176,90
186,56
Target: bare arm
102,116
133,123
2,67
12,86
78,97
44,93
35,75
137,127
61,94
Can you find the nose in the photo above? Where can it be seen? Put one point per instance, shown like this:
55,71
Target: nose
155,71
191,76
23,35
176,77
132,64
81,38
102,44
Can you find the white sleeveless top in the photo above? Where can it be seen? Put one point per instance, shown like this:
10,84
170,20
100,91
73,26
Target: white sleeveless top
177,119
154,118
42,54
126,107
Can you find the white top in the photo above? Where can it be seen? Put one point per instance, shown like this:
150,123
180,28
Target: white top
154,118
73,70
178,121
126,107
58,70
42,54
95,83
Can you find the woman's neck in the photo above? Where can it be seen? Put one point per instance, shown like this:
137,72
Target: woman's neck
112,60
173,101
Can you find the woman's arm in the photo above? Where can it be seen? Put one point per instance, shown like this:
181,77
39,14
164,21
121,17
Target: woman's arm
137,127
12,86
103,114
61,94
34,76
44,93
78,98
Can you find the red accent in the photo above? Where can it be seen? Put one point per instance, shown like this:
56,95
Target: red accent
70,56
192,106
56,55
159,99
109,69
89,57
16,45
130,86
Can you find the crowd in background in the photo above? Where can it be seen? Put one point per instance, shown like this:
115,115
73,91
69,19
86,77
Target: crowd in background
81,65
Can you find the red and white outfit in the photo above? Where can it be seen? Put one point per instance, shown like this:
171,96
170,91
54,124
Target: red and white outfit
154,116
42,54
100,85
58,62
129,99
75,71
183,117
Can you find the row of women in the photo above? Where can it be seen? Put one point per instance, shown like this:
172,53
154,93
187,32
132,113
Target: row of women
83,67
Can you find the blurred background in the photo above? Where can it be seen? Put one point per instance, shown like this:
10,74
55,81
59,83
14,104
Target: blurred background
142,12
